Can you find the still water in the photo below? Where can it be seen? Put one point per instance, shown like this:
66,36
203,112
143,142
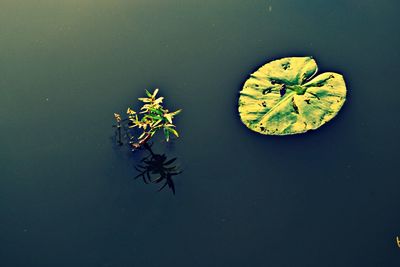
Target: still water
68,196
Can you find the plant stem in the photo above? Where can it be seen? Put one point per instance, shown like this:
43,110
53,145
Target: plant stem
142,141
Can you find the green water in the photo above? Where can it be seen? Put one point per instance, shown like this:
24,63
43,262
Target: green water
67,194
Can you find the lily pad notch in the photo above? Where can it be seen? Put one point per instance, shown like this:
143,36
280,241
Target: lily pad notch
285,96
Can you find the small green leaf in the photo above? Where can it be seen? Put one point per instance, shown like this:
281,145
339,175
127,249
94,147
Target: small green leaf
148,93
156,111
283,97
153,117
166,133
173,131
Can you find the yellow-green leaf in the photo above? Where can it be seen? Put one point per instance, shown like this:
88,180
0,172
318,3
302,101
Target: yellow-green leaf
283,97
144,99
130,111
168,117
173,131
155,93
158,101
176,112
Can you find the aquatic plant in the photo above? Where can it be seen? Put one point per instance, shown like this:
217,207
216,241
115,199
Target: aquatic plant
151,118
283,97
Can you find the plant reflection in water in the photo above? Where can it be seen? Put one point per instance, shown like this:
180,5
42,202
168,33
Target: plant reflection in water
157,168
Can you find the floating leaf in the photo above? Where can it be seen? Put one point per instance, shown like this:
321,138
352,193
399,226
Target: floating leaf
284,97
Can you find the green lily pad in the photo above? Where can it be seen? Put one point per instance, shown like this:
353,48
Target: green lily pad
285,97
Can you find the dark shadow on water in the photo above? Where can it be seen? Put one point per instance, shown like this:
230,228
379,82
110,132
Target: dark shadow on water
157,169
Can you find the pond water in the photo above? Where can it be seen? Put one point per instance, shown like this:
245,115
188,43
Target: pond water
68,196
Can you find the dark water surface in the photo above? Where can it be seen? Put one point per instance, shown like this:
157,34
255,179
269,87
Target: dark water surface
67,193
